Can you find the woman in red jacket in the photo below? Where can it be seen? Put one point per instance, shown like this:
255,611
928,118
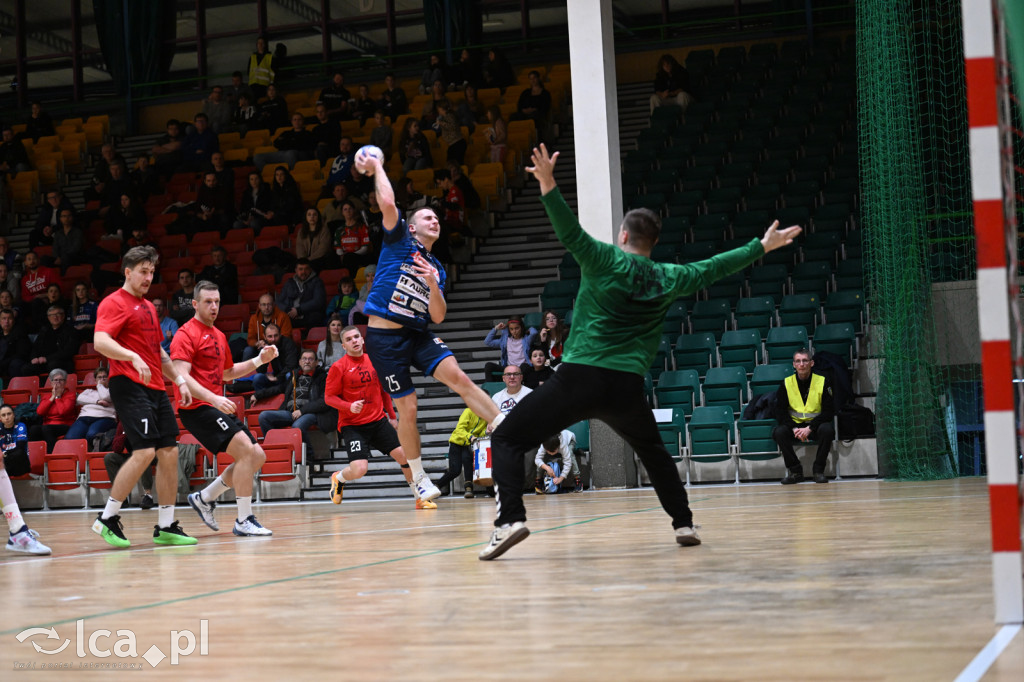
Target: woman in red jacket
58,409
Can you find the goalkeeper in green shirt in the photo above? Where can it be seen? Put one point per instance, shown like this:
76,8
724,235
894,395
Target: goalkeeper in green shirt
621,303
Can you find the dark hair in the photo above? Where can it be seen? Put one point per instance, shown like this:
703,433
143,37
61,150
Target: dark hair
200,115
173,122
643,227
534,73
304,232
188,270
137,255
552,442
236,73
803,351
302,261
344,280
329,342
442,174
218,247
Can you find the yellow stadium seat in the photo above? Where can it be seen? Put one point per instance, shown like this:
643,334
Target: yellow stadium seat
310,167
422,180
229,140
350,128
95,134
102,119
237,154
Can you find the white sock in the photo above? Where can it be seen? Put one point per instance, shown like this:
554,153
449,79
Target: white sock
165,515
416,466
9,504
112,508
244,507
497,421
214,490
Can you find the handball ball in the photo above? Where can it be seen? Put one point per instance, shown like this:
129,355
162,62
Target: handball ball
363,158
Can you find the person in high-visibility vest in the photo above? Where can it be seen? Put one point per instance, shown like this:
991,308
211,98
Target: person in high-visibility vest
804,410
261,69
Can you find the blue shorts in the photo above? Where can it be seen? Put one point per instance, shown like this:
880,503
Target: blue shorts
394,351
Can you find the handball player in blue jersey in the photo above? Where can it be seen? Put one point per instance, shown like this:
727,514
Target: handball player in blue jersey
406,297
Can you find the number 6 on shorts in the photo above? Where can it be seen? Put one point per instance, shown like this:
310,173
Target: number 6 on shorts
222,424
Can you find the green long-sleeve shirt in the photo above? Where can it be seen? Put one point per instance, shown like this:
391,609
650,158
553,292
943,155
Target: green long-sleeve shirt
623,297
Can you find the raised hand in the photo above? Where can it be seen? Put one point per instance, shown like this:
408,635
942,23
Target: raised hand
775,238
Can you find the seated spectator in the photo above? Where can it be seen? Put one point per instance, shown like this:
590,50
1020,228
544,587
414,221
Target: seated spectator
137,237
496,134
335,98
286,199
514,391
352,239
181,300
8,256
460,451
804,409
671,84
271,113
7,302
536,371
341,167
15,347
304,405
435,72
145,179
218,110
39,124
199,144
471,197
13,443
363,105
382,135
302,297
471,111
49,214
327,134
330,350
313,242
414,148
96,413
551,337
364,293
223,273
42,235
116,184
243,118
34,281
429,114
294,145
68,242
374,219
256,209
55,297
341,304
234,92
57,409
101,171
467,72
358,187
393,101
116,458
277,373
497,72
266,314
450,131
56,344
13,156
332,215
534,104
213,206
558,447
83,312
124,217
225,177
168,327
166,150
9,281
452,203
406,196
513,341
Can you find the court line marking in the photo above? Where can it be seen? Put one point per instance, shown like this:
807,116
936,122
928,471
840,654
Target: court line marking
977,668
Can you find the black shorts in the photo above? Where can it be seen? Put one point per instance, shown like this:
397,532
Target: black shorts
145,413
379,435
394,351
212,428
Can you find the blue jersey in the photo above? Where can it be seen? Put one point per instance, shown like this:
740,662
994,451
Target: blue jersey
10,438
397,294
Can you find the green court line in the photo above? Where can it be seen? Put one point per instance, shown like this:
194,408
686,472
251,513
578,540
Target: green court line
316,574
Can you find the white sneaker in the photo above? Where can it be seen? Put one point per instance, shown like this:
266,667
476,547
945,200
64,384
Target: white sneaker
687,536
503,539
25,541
425,488
250,526
204,509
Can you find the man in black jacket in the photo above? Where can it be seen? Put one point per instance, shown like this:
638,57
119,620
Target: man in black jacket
15,347
304,404
276,373
804,410
223,273
56,344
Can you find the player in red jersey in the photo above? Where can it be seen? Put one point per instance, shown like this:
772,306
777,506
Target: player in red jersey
354,390
200,353
128,333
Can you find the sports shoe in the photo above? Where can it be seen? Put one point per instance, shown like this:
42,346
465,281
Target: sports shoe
425,504
250,527
469,495
538,487
425,488
147,502
25,541
204,509
687,536
578,488
792,476
172,535
337,487
820,477
110,530
503,539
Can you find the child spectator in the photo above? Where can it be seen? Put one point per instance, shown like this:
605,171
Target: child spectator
364,293
551,336
341,304
536,371
513,342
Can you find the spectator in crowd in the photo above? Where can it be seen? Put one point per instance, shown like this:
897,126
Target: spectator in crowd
101,171
15,347
68,242
272,113
551,336
286,199
256,209
467,72
49,214
267,313
804,409
558,447
333,215
413,147
460,451
453,204
137,237
302,297
96,413
429,113
496,134
166,151
406,196
335,98
56,344
341,167
234,92
34,281
124,217
382,135
39,123
8,256
57,409
304,405
534,105
513,340
671,84
54,297
145,179
42,235
115,459
536,371
327,134
181,300
330,349
374,219
352,239
450,131
83,312
9,281
364,292
213,206
225,177
514,391
218,110
277,373
168,327
199,144
471,198
434,72
13,443
13,157
358,186
223,273
497,72
343,301
471,110
363,105
244,115
261,69
393,100
116,184
293,145
7,302
313,242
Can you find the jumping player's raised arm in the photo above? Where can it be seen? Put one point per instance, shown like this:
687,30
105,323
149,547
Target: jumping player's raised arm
385,195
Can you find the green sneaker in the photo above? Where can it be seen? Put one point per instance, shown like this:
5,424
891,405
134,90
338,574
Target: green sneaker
172,535
110,530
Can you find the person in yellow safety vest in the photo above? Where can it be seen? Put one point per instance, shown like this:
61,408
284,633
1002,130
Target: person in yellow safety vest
261,69
804,410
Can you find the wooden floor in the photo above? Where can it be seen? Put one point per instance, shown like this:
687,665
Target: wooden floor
859,580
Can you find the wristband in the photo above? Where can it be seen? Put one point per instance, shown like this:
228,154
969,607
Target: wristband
179,380
256,362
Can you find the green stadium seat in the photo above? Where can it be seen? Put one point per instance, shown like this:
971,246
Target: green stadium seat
767,378
769,279
493,387
729,288
754,440
710,316
582,432
695,351
678,388
559,294
755,312
660,361
740,347
800,310
672,433
725,386
811,277
821,246
850,273
838,338
782,342
710,435
845,305
533,319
